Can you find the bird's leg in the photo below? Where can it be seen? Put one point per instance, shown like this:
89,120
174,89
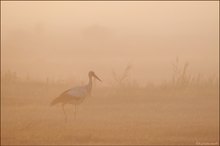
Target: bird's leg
64,113
75,111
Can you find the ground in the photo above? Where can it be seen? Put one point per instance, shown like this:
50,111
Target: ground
144,115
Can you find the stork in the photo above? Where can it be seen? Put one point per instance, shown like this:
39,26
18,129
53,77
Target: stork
75,95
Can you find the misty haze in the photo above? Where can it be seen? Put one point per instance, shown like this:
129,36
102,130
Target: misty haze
109,72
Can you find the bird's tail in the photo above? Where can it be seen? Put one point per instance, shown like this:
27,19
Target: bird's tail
55,101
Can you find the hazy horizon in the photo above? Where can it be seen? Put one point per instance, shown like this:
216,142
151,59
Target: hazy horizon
158,62
67,39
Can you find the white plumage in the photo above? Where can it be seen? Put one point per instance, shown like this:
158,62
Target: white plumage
75,95
78,92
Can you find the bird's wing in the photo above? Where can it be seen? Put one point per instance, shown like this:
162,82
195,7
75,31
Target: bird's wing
77,92
65,92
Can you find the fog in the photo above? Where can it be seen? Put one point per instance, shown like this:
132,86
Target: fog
65,40
158,62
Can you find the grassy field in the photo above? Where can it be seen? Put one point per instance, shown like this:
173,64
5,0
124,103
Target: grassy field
112,115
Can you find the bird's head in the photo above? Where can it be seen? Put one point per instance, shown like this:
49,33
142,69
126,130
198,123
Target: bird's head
92,74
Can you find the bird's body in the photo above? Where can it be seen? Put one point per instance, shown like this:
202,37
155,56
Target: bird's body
72,96
75,95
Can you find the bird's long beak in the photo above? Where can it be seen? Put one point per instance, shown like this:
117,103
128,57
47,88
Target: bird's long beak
97,78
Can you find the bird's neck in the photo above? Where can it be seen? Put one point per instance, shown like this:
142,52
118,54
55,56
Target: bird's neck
90,84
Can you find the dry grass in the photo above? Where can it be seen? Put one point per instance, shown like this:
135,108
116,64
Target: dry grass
142,115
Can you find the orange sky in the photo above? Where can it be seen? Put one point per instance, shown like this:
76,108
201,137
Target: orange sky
66,39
